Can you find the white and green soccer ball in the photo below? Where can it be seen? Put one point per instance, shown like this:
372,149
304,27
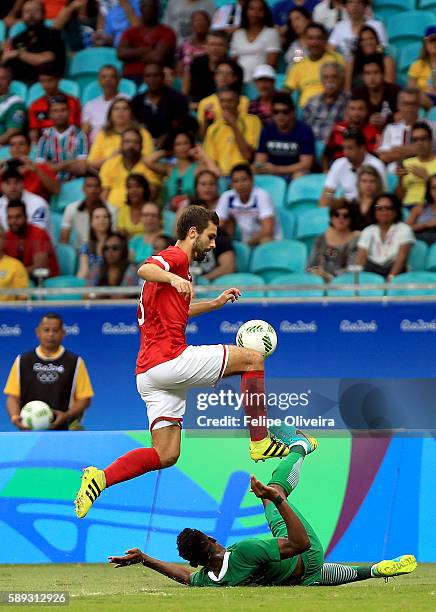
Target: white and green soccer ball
257,335
36,415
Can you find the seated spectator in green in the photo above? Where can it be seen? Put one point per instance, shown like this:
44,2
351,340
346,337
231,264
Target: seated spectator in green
141,246
115,270
422,218
13,114
91,253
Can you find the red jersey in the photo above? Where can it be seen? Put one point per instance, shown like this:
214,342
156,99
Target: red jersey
24,247
140,36
38,113
33,183
334,147
163,313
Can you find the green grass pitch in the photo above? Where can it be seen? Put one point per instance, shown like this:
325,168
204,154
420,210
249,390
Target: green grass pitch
100,587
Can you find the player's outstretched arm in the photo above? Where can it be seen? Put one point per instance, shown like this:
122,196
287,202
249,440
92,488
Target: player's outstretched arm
229,295
154,274
170,570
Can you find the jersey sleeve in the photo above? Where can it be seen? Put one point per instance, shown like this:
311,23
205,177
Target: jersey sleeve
12,386
167,260
199,579
83,388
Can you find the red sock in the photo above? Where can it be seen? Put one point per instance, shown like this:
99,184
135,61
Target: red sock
253,394
134,463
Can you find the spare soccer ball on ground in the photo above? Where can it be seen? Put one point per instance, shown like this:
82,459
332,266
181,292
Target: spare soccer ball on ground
257,335
36,415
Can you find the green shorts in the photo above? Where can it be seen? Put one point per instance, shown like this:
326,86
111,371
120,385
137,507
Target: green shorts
313,558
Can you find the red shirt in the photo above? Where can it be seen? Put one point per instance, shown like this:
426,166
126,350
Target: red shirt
26,246
33,183
334,147
38,113
163,313
139,36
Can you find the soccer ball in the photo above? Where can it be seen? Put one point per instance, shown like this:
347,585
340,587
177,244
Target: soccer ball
36,415
257,335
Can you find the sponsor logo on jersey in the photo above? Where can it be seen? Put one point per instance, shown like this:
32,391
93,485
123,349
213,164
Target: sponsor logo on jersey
119,329
298,327
358,327
418,326
7,331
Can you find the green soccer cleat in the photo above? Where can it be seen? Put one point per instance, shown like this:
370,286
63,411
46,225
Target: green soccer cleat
294,437
93,483
406,564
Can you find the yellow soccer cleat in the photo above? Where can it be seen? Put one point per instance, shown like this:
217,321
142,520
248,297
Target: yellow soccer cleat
405,564
268,448
93,483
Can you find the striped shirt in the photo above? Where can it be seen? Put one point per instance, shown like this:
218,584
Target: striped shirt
56,147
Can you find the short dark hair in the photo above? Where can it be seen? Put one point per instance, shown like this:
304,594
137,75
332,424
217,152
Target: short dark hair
233,88
89,174
50,70
58,99
357,98
318,26
374,58
135,130
194,546
24,135
241,168
422,125
396,204
351,208
17,203
109,67
195,216
219,34
281,97
356,135
51,315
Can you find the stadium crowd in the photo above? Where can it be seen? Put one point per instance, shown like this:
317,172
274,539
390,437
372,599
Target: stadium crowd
300,122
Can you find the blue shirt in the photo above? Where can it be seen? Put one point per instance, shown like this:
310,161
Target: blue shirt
280,10
285,148
116,21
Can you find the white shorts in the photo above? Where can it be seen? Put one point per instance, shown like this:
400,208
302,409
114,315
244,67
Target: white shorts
163,387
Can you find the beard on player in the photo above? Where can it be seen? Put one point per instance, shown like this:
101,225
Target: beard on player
199,250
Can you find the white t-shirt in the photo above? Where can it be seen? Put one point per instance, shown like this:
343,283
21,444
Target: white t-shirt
385,252
344,40
248,215
323,13
78,221
37,210
342,175
95,113
253,54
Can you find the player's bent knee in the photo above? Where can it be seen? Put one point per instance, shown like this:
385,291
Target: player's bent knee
168,459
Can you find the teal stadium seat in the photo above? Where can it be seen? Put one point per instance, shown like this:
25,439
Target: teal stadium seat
280,80
406,56
18,88
274,185
19,27
287,221
431,258
67,86
364,278
93,90
430,5
2,31
70,192
298,278
86,64
311,223
305,192
432,114
4,152
56,220
418,256
243,255
385,9
413,277
64,282
250,90
239,280
169,220
392,181
408,26
278,257
67,259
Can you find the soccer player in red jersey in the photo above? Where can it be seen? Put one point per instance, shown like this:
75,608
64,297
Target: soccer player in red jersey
167,367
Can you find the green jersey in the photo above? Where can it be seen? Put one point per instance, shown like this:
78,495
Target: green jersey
12,113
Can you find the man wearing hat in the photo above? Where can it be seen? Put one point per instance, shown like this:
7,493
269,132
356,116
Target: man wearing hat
264,78
422,73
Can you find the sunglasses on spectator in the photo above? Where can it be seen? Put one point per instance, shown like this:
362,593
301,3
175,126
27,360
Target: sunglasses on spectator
383,207
112,247
340,215
281,111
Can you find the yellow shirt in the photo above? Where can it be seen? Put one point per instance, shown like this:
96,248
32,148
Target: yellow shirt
13,275
415,186
114,174
124,222
421,71
305,76
105,146
220,142
82,390
211,104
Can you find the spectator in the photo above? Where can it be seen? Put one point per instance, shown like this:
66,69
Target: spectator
13,274
281,9
29,244
94,113
293,35
161,109
421,73
264,78
369,187
356,117
39,117
227,74
115,269
335,249
141,245
201,82
9,11
368,45
62,145
380,96
248,209
413,173
162,242
206,188
234,138
329,13
422,218
91,253
344,35
305,76
256,41
77,215
193,46
218,261
37,209
108,140
343,171
77,21
12,108
384,246
130,216
122,15
30,52
114,171
286,146
68,394
178,15
228,17
323,111
148,42
39,178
